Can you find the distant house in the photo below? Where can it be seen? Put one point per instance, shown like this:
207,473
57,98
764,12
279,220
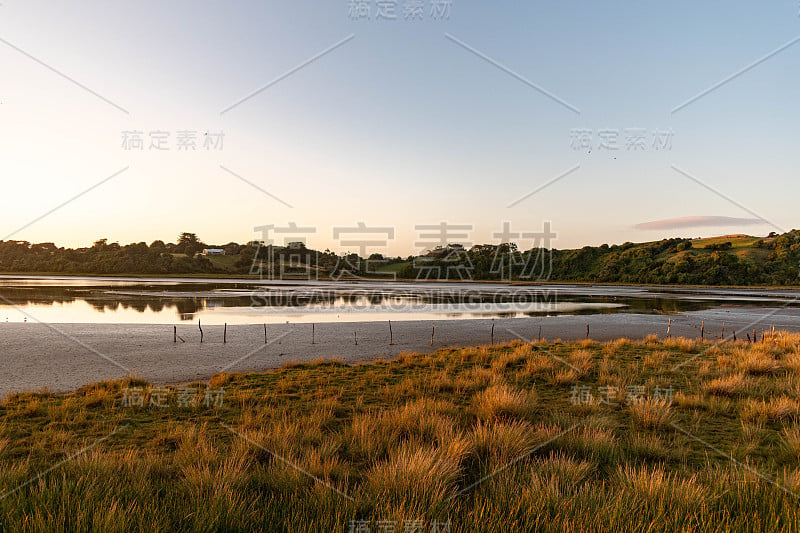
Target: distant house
213,251
297,245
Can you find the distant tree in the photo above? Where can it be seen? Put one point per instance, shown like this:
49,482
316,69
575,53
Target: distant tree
188,244
232,248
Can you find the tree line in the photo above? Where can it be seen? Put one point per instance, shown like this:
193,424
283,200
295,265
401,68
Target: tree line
774,260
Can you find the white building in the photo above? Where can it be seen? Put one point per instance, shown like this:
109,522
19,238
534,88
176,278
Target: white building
213,251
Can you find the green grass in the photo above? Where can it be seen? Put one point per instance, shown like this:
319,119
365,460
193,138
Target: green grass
225,262
489,438
737,241
394,267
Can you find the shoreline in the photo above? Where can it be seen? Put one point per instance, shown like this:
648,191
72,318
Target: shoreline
243,278
65,357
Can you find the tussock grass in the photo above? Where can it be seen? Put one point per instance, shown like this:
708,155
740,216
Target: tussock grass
790,441
655,359
690,401
417,478
499,442
651,413
778,408
756,361
402,437
539,364
656,485
582,360
730,385
502,401
563,376
681,344
646,446
561,472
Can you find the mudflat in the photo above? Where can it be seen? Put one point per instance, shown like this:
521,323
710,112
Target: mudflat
63,357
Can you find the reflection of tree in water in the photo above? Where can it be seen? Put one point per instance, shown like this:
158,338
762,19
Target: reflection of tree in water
104,300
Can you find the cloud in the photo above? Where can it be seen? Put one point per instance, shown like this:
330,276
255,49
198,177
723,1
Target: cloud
698,222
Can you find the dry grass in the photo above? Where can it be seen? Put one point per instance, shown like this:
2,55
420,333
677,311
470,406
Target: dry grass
416,478
651,413
755,361
499,442
654,484
646,445
563,376
730,385
582,360
778,408
655,359
690,401
502,401
790,441
681,344
539,364
401,438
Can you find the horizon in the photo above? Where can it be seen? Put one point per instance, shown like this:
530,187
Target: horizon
317,115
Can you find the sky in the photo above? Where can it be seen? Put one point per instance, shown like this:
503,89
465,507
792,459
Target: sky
603,121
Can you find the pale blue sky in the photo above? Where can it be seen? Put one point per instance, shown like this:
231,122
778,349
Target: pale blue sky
399,125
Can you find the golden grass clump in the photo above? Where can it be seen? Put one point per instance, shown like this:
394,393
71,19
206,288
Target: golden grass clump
539,363
777,408
499,442
502,401
582,360
592,440
680,343
477,377
791,361
729,385
683,400
755,361
790,480
654,484
416,478
655,359
790,441
646,445
424,419
367,436
204,479
651,413
563,376
561,471
509,359
612,347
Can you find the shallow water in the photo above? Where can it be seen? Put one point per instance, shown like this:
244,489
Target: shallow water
106,300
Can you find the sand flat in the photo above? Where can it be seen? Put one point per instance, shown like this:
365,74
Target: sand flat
63,357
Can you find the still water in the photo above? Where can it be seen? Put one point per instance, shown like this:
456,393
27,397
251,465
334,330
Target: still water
57,299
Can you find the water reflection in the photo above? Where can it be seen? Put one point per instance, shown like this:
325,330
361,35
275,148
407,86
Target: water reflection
163,301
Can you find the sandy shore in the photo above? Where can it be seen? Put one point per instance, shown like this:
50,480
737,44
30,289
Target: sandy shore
63,357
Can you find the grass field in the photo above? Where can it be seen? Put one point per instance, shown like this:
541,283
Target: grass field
516,437
737,241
